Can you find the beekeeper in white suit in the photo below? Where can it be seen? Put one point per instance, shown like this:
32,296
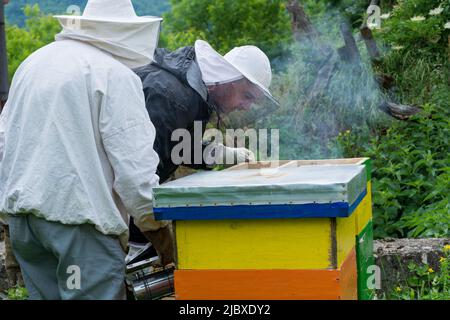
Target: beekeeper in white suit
76,150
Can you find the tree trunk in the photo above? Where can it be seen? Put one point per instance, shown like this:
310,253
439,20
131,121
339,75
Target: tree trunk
399,111
350,51
301,25
323,79
370,42
4,87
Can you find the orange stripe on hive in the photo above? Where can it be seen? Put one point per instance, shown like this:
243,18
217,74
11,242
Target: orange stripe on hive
348,278
256,284
268,284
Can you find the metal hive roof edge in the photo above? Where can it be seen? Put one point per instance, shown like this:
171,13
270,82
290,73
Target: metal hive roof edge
315,191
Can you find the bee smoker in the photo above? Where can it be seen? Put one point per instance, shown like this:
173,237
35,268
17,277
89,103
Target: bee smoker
145,279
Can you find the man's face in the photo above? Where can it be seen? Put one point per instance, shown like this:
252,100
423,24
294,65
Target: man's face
238,95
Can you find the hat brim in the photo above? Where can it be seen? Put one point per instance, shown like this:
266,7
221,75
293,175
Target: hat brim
259,85
137,20
243,74
266,91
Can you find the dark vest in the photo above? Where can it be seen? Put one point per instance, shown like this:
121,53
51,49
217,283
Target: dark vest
175,97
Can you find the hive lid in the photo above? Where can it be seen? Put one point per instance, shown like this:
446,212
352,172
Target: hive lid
285,192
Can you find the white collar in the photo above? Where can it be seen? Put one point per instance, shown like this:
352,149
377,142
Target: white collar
133,46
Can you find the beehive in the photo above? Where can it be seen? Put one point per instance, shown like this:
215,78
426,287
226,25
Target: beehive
299,231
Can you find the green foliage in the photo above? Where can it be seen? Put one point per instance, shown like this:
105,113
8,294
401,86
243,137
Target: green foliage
412,159
426,283
419,78
15,15
18,293
354,11
414,25
433,220
40,30
226,24
411,175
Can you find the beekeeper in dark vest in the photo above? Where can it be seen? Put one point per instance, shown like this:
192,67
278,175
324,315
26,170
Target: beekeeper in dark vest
186,86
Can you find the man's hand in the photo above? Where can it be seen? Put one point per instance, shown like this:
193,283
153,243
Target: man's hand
231,156
243,155
162,240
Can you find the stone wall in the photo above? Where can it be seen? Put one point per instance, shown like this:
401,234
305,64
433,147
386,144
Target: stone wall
394,255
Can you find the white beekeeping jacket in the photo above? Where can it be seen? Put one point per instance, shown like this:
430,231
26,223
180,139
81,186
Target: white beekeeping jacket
2,134
76,141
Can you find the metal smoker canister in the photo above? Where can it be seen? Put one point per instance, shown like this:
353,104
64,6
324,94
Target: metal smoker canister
146,281
154,286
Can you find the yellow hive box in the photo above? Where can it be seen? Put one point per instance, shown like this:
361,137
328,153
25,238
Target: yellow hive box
260,244
312,243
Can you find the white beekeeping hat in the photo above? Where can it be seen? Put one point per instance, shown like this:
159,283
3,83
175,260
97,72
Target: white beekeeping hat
113,26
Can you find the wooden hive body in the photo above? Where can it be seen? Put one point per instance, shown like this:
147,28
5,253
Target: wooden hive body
304,250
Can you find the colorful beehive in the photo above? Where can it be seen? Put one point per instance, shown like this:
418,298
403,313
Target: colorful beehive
299,231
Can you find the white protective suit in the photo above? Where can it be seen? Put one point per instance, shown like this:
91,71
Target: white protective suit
78,141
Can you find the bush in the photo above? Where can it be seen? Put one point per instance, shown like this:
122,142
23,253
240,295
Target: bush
411,175
40,30
411,193
227,24
417,25
18,293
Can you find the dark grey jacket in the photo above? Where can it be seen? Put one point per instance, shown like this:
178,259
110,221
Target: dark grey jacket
175,97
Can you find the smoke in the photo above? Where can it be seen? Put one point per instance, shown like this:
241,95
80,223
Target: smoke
314,111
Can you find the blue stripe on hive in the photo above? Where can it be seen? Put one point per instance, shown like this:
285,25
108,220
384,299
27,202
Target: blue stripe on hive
278,211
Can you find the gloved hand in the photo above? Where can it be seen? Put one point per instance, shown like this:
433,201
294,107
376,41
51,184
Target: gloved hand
162,240
231,156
